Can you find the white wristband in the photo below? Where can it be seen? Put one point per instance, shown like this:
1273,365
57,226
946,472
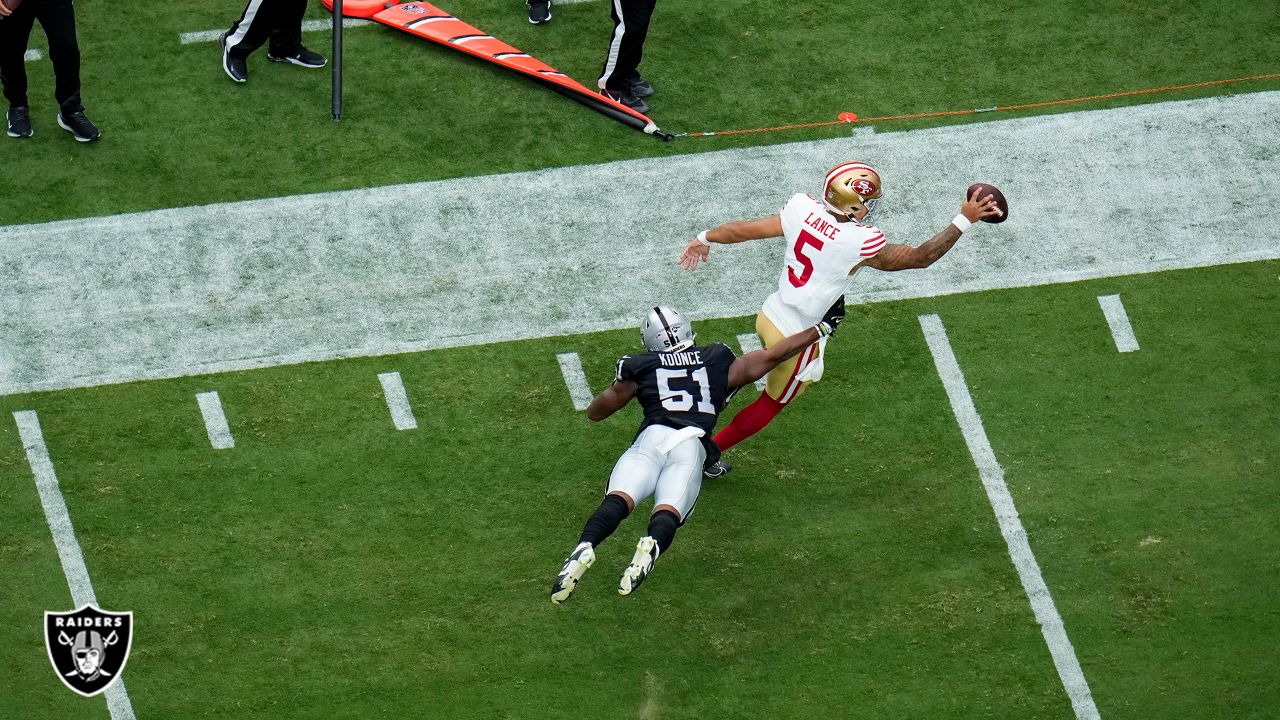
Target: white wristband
961,222
702,238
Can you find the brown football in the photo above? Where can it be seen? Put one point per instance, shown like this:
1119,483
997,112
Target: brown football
11,4
1000,201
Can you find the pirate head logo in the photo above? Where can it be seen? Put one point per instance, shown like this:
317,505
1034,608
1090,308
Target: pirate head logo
88,647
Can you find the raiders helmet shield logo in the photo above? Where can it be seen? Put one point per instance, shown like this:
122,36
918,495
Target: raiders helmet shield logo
88,647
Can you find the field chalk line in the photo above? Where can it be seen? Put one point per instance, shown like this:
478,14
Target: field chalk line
1118,320
575,379
199,36
397,401
215,420
975,436
64,538
750,342
379,271
32,56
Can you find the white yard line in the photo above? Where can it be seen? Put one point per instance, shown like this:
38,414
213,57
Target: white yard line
251,284
397,401
750,342
975,436
200,36
215,421
32,55
575,379
1118,321
64,538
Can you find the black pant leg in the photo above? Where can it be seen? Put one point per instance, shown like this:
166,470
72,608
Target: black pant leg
286,35
626,44
58,18
253,28
15,31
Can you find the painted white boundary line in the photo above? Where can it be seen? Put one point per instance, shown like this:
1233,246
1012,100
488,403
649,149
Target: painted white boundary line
215,421
198,36
975,436
397,401
64,538
32,56
1118,320
750,342
575,379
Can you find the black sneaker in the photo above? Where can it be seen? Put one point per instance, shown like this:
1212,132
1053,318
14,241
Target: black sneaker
717,469
628,98
304,57
20,122
539,11
641,88
77,124
236,68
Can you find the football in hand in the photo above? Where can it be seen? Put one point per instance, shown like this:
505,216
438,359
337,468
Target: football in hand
11,4
985,190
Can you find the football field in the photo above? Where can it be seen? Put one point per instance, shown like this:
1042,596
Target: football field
303,396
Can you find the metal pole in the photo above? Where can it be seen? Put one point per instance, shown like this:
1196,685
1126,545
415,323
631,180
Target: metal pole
337,60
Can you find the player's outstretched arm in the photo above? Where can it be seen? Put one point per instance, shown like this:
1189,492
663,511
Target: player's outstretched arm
755,365
611,400
904,257
699,249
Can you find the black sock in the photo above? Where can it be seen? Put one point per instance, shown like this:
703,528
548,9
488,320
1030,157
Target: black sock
662,527
612,511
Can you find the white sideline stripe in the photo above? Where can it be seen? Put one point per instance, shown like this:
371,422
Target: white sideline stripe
575,379
64,538
975,436
372,272
32,55
397,401
199,36
750,342
1118,320
215,421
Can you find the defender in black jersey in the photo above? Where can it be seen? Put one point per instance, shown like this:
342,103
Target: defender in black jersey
682,388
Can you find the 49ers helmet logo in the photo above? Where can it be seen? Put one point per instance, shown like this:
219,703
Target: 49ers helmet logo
863,187
88,647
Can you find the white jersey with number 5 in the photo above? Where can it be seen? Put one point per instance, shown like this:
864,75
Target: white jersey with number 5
821,253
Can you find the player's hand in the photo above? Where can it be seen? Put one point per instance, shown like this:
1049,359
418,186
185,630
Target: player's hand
975,209
694,253
4,11
834,316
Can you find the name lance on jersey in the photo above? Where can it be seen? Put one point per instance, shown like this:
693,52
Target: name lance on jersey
822,226
681,358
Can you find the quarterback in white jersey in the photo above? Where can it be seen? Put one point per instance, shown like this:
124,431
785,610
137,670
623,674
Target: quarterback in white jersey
828,241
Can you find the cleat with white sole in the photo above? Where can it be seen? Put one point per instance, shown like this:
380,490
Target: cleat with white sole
575,566
640,567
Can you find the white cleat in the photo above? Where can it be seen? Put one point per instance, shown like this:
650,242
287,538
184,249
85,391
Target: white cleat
640,567
574,568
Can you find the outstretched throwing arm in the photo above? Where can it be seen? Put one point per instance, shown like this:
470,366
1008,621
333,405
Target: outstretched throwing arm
904,257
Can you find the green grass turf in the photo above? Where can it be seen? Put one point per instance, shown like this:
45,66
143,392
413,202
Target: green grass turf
850,567
178,132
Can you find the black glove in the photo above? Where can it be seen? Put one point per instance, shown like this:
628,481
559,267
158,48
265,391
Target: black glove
833,317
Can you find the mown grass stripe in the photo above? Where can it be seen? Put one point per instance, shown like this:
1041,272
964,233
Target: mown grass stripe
975,436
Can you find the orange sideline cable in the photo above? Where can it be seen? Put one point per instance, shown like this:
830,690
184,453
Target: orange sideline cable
848,118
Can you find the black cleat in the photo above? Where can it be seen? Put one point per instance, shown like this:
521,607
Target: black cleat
717,469
77,124
539,11
236,68
628,98
641,87
20,122
304,58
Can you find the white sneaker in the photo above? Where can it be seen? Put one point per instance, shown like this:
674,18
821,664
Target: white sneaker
640,567
574,568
